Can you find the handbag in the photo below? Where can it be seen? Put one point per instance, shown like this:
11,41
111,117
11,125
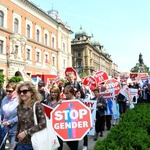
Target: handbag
42,140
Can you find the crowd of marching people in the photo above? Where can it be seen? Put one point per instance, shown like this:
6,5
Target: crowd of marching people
16,113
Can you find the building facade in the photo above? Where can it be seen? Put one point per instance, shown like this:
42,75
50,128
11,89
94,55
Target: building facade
89,55
32,40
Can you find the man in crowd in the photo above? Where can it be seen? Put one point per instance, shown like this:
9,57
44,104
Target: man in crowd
41,90
73,82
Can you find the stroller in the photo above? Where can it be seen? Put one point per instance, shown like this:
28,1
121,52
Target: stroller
3,136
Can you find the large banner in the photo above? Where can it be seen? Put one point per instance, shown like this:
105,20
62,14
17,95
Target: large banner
91,104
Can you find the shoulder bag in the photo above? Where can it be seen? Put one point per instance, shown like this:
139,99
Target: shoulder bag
44,139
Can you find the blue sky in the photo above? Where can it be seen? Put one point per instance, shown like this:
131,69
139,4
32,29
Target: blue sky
122,26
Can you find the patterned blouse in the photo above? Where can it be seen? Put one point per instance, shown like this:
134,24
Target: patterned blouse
26,121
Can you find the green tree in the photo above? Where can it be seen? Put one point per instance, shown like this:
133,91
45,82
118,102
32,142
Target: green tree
83,74
15,79
63,80
1,80
143,68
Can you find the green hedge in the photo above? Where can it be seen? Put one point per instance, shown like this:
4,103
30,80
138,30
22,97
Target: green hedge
132,132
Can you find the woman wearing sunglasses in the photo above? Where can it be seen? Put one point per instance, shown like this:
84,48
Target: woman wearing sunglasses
9,113
28,95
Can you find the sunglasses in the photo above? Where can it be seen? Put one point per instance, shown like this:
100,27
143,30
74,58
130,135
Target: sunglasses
23,91
9,91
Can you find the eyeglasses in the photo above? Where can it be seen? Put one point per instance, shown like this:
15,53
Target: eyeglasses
9,91
23,91
53,92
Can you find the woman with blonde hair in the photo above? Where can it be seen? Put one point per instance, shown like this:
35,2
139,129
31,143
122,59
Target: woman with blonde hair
28,95
54,98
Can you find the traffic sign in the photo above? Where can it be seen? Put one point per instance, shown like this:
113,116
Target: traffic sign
71,120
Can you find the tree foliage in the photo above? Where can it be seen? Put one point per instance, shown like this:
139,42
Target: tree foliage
15,79
83,74
63,80
143,68
1,79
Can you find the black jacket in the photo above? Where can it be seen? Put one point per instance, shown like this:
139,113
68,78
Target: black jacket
75,85
120,97
102,108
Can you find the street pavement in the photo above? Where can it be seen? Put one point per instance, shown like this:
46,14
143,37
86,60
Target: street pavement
91,142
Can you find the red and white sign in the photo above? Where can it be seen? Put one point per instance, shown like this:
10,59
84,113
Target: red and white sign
71,120
100,77
113,85
70,70
90,82
47,110
107,95
91,104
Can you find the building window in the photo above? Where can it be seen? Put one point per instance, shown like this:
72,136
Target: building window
53,42
53,61
1,18
16,25
1,47
79,54
45,39
79,64
28,31
37,35
64,47
29,74
16,50
28,54
37,57
1,71
46,58
64,64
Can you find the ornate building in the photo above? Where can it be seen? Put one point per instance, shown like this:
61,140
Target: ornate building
32,39
89,55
